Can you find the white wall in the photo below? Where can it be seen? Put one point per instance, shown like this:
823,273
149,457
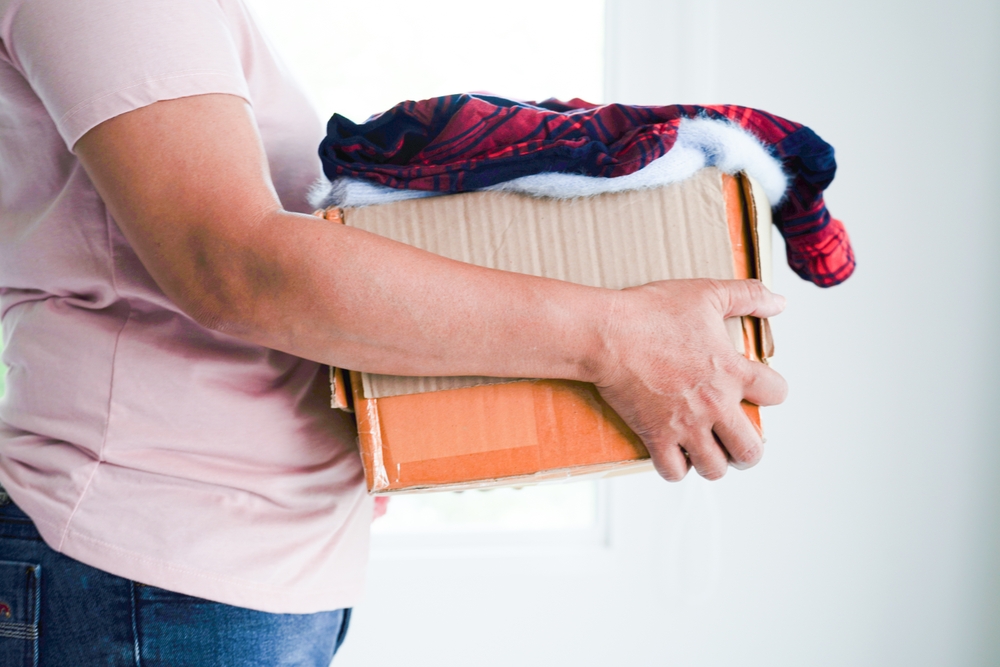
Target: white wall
869,534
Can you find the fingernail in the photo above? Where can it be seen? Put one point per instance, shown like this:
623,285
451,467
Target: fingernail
780,300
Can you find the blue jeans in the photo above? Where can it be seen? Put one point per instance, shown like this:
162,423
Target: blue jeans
58,612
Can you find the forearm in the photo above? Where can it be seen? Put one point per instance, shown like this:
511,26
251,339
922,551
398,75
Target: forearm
346,297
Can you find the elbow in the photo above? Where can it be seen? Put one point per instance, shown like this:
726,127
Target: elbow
213,310
212,315
229,293
230,284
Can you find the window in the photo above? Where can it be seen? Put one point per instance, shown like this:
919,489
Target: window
354,62
490,521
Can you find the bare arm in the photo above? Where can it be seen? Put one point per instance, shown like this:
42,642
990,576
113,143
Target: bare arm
187,182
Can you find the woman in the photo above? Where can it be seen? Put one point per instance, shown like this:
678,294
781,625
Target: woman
184,496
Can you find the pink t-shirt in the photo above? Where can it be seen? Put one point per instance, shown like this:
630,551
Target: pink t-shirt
138,441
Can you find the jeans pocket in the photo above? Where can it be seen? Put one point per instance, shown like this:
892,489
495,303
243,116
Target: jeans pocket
20,592
345,622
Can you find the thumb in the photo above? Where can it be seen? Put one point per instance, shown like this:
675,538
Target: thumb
749,297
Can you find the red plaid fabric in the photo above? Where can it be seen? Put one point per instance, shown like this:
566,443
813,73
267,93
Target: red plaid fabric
465,142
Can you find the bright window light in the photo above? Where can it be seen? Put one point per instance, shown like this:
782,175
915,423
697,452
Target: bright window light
568,506
361,58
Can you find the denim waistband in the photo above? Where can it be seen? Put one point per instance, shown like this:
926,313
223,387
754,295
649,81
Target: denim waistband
14,522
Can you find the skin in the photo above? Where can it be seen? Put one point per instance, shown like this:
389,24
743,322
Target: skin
201,212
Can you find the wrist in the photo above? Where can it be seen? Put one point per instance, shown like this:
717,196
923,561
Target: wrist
595,352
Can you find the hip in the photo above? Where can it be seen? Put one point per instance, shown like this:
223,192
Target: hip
55,610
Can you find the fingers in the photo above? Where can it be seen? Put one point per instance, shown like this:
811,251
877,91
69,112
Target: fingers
762,385
671,462
733,442
749,297
707,456
681,392
741,440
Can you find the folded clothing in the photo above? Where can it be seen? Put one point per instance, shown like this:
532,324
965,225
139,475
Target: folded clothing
701,143
469,142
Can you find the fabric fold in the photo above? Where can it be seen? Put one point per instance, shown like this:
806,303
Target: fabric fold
460,143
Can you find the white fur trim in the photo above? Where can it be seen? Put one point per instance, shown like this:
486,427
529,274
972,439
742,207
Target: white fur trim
732,149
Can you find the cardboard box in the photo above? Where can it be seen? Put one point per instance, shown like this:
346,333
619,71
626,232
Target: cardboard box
468,432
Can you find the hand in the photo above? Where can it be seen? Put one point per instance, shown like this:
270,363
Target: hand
671,372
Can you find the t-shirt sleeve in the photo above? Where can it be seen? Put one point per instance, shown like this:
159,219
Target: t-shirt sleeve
91,60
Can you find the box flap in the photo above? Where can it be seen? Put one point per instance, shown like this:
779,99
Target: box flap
762,229
759,216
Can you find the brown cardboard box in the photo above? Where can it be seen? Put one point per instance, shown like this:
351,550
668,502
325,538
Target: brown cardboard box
467,432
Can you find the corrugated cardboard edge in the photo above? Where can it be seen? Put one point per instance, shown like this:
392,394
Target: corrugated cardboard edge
763,230
370,428
578,473
760,220
423,385
340,396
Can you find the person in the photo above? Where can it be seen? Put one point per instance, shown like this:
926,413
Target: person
182,493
